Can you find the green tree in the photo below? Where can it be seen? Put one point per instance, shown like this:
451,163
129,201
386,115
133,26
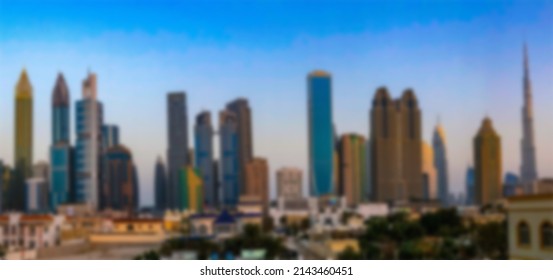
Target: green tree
491,240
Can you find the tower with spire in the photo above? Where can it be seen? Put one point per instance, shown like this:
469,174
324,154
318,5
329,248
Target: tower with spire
528,173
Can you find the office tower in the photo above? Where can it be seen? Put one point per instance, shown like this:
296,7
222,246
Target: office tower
160,186
289,183
204,157
229,162
119,191
528,169
510,184
487,164
23,143
192,194
257,181
321,133
217,183
110,136
242,111
396,155
352,168
89,116
470,182
61,160
429,173
440,162
177,153
37,189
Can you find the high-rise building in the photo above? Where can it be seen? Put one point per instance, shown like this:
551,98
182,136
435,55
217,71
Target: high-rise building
192,193
352,168
37,189
321,133
229,162
61,159
119,190
177,153
5,184
160,186
110,136
510,184
243,113
289,183
470,182
89,116
487,164
429,174
528,169
257,181
23,143
396,154
204,157
440,162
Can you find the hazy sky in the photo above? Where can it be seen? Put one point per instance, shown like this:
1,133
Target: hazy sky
463,59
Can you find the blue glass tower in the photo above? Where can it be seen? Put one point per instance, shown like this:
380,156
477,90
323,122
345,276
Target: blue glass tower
470,186
228,135
321,133
60,151
110,136
204,157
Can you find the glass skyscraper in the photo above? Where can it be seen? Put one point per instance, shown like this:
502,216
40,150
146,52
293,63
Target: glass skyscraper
160,182
177,153
228,135
321,134
204,157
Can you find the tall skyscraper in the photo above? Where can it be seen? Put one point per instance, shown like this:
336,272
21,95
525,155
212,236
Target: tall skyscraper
119,191
192,193
429,174
470,181
89,115
440,162
242,111
229,162
528,169
257,181
204,157
23,143
61,177
321,133
396,154
177,153
487,164
352,168
5,183
160,186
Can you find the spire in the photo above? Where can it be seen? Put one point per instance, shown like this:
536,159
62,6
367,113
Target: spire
526,66
60,94
23,88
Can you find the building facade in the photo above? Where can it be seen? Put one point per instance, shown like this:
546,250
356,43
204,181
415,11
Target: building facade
289,182
119,190
470,182
353,169
204,157
396,155
243,113
487,164
192,190
321,134
257,181
440,163
177,153
160,183
429,173
229,162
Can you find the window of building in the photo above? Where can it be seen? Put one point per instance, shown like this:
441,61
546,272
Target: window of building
523,234
546,231
130,227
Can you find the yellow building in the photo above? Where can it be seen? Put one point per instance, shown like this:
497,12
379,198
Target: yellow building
530,227
131,231
192,194
487,164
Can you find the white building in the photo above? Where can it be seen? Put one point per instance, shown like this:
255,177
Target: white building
30,232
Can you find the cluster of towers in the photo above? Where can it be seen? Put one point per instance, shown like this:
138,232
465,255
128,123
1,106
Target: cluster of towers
96,171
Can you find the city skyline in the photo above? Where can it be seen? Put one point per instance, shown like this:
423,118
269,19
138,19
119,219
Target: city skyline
487,91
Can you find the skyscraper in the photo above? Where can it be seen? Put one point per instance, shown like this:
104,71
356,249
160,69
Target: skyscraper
469,186
321,133
61,176
528,169
396,154
204,157
177,153
487,164
440,162
89,115
23,139
160,186
192,194
352,168
110,136
229,162
429,176
119,191
257,181
37,189
242,111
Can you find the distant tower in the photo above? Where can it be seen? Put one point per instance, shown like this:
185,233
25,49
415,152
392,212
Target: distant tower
469,186
229,161
440,162
321,134
89,115
204,157
243,113
160,186
487,164
120,186
61,177
257,181
352,168
177,153
429,172
528,170
23,139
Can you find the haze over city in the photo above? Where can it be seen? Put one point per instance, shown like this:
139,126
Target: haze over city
463,60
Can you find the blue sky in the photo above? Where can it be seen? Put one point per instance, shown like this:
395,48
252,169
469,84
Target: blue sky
463,59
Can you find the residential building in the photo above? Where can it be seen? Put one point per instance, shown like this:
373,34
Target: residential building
429,173
353,180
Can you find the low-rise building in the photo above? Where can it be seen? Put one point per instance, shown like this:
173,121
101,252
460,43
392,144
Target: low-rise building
30,232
